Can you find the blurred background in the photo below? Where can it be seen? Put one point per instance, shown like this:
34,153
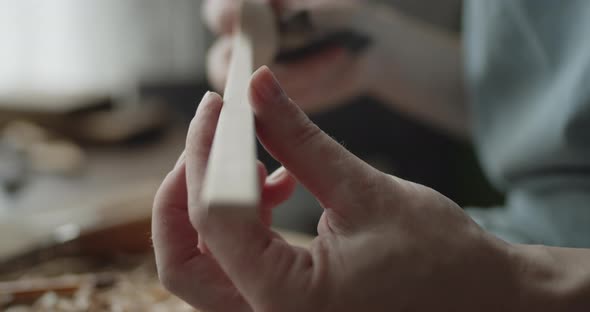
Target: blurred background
95,99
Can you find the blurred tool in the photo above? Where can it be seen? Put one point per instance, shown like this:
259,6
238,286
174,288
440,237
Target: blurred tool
302,35
41,151
12,168
117,224
27,149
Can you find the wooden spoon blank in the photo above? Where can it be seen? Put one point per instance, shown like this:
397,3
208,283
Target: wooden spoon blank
231,178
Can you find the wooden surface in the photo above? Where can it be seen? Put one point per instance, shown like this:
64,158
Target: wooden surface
124,283
109,203
116,185
120,181
231,181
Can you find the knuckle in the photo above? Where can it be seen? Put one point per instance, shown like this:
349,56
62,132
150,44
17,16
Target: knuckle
163,196
168,278
306,132
370,185
196,217
368,189
191,137
199,140
158,199
400,187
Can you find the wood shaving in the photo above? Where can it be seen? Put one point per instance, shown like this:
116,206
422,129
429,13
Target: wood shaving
134,287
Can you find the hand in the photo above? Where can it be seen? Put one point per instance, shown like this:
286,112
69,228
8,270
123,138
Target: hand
317,83
384,244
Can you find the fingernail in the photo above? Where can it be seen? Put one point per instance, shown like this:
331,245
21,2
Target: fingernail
270,89
205,96
277,174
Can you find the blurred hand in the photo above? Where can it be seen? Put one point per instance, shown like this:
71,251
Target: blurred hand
384,244
317,83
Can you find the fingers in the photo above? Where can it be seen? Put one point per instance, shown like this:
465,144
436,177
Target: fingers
182,268
174,238
255,259
323,166
218,59
262,266
199,141
198,145
343,14
300,71
265,211
322,81
220,15
277,188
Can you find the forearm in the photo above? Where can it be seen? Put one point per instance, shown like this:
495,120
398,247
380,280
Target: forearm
417,69
552,279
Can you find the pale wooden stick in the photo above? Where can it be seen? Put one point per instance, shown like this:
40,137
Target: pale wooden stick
231,178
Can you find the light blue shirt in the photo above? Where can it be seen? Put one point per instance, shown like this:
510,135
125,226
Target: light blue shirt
528,70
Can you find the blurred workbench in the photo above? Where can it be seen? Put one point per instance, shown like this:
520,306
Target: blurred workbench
108,170
112,270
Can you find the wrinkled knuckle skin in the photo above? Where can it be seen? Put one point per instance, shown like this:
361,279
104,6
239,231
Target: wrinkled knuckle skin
403,188
168,279
370,183
306,132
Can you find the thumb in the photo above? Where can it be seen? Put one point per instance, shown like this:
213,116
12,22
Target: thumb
263,267
334,175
